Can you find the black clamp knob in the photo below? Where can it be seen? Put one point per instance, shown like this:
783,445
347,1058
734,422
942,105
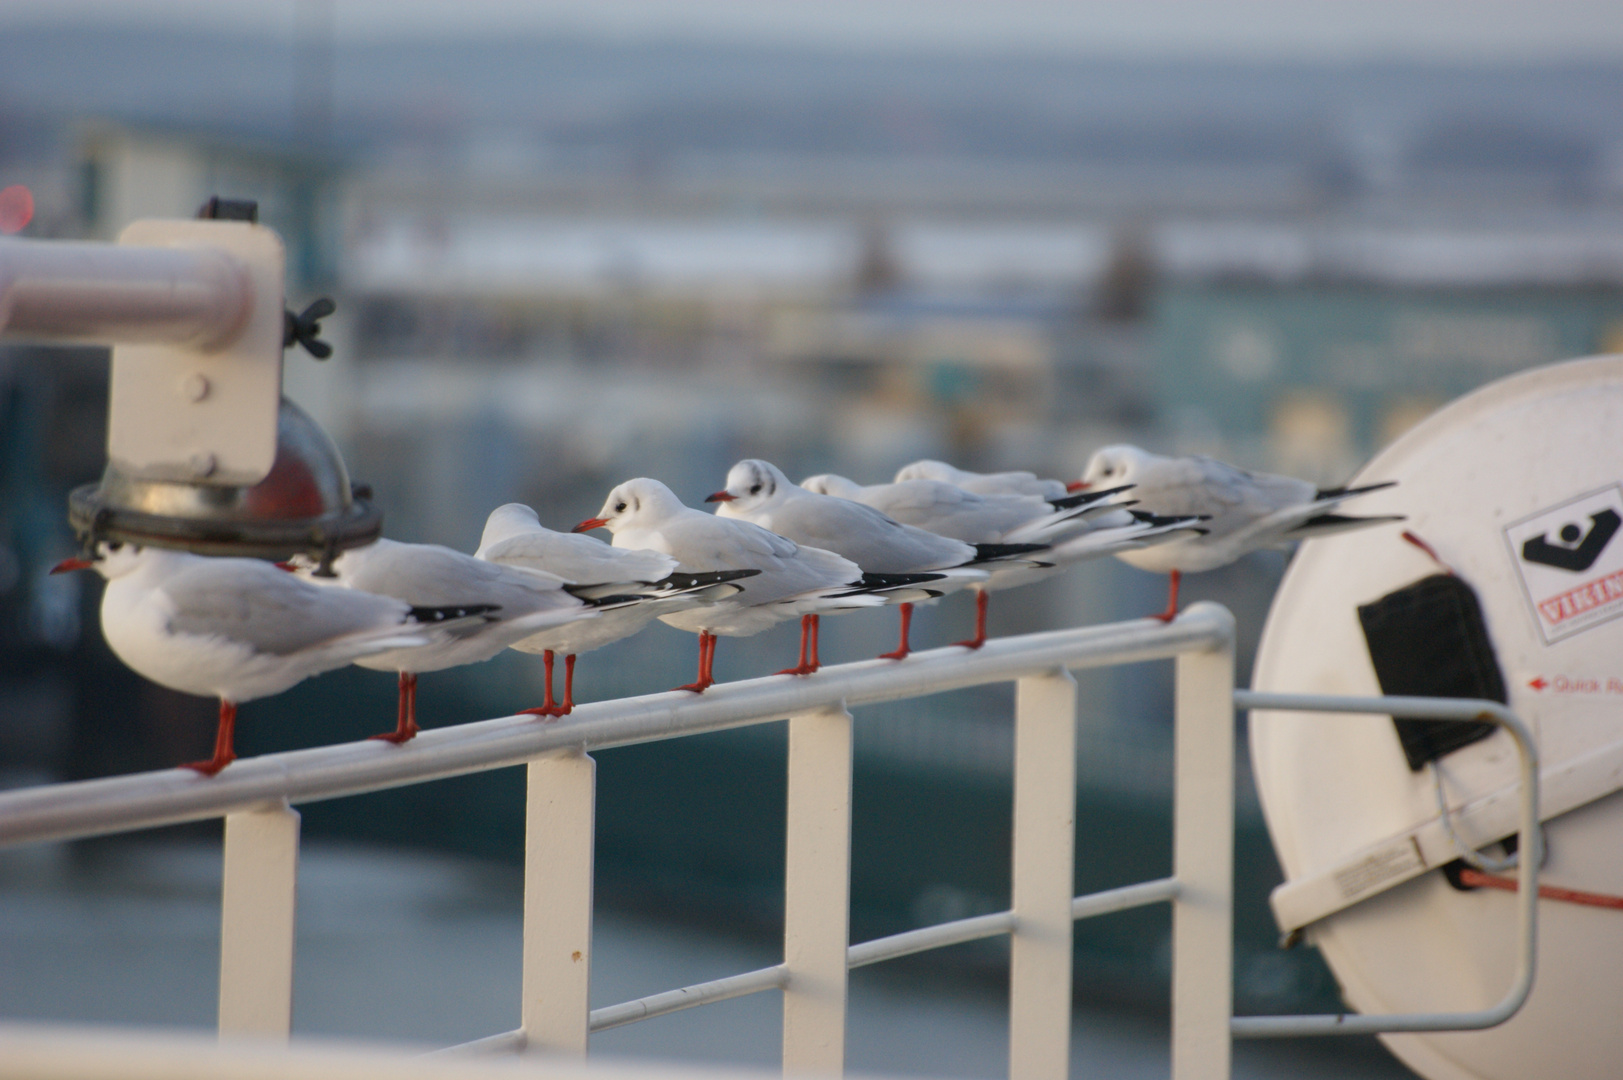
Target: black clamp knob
305,328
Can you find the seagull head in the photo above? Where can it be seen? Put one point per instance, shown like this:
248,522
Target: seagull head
928,470
832,484
507,521
635,503
753,485
111,559
1113,466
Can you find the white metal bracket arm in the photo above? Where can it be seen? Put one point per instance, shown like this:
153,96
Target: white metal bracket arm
194,312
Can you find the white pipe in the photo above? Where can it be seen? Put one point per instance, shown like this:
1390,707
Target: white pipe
1529,845
83,291
146,800
930,937
817,892
71,1052
1203,864
906,943
687,997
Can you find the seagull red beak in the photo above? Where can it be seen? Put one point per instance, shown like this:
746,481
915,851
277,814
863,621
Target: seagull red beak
289,567
71,564
1078,485
589,524
720,496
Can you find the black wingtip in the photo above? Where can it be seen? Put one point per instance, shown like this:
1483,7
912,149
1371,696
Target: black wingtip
881,582
1147,518
994,552
615,600
683,580
1331,521
1348,492
1086,498
430,615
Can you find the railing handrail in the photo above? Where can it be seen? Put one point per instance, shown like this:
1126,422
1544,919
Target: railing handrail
147,800
1529,846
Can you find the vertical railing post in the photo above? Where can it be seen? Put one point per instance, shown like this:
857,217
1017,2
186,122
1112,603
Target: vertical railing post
560,808
1043,877
817,892
258,896
1203,863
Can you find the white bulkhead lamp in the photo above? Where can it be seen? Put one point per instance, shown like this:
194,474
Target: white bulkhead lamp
204,454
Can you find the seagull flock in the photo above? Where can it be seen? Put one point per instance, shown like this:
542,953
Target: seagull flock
237,629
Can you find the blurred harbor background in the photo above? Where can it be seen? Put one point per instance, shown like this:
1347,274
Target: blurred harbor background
661,238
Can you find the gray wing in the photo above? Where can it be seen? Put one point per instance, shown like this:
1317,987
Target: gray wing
579,559
427,575
1257,493
705,542
865,536
269,610
951,511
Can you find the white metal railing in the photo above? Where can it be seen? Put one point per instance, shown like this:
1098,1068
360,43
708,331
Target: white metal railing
255,795
1530,839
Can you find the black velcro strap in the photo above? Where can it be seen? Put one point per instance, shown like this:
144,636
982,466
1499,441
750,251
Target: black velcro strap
1429,640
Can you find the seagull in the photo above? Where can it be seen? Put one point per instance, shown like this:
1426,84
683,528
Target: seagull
497,606
948,510
1003,483
1244,511
1076,526
240,629
758,491
791,579
632,588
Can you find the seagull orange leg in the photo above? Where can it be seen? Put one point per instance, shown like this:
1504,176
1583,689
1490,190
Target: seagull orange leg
548,707
981,600
707,660
224,742
405,728
903,649
569,685
1172,600
808,648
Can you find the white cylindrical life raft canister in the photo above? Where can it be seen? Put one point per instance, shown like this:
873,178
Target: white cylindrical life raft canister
1518,490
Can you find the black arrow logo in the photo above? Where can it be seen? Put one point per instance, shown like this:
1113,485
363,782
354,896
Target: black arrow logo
1570,554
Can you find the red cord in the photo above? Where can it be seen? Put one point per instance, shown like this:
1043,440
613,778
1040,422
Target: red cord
1477,878
1427,548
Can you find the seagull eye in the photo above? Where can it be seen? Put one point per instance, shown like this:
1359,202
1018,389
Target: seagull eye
756,490
619,508
114,545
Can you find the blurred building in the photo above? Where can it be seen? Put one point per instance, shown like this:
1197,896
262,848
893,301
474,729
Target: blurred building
128,171
1307,352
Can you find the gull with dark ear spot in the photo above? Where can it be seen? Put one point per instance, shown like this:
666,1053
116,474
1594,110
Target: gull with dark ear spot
758,491
487,608
1242,511
790,580
240,629
628,588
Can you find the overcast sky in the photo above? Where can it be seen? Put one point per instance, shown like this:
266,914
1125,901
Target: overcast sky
1494,30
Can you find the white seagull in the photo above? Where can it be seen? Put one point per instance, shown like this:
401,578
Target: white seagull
240,629
1076,526
632,587
791,580
758,491
496,605
945,509
1002,483
1244,511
